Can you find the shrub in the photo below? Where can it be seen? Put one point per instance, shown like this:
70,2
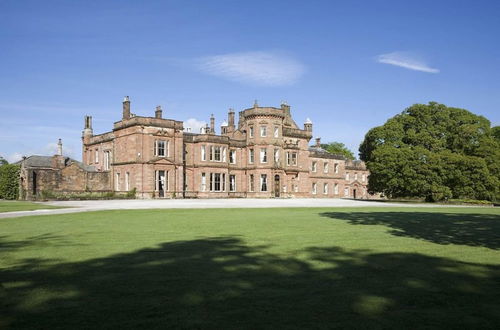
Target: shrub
9,181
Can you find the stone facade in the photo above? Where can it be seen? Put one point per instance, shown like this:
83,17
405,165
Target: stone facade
266,154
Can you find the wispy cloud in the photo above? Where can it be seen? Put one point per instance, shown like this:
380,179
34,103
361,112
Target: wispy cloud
406,60
194,125
259,68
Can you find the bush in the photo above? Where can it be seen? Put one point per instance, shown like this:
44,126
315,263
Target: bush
9,181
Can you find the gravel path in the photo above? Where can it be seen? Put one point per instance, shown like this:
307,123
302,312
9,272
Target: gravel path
86,206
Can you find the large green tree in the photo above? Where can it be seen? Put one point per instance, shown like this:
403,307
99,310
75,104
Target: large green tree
338,148
433,151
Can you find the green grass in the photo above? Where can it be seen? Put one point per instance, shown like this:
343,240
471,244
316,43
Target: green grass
304,268
11,206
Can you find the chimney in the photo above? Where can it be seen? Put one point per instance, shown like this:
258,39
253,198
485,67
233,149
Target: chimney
255,104
212,124
230,117
87,126
158,112
286,109
59,148
318,142
126,108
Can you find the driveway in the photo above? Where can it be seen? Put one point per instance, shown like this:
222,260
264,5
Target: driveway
85,206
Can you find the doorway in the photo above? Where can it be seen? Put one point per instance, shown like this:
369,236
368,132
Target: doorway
34,184
354,193
277,186
160,183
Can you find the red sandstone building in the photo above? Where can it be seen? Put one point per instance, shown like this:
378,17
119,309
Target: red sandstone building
264,155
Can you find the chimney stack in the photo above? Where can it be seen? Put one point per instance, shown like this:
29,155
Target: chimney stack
87,126
286,109
59,148
212,124
230,119
158,112
126,108
318,142
308,125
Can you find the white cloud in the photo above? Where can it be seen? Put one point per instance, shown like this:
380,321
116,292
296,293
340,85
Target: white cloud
194,124
406,60
259,68
14,157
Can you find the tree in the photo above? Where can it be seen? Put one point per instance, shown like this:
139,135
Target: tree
496,133
338,148
433,151
3,161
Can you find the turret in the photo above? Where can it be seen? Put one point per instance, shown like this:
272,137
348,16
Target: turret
308,125
230,119
126,108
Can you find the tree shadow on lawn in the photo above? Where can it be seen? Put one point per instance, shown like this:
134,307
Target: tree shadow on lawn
222,283
441,228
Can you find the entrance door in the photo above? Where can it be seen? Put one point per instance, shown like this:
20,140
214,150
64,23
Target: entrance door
354,193
34,184
277,186
160,183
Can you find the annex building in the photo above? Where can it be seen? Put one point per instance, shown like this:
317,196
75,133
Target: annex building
265,154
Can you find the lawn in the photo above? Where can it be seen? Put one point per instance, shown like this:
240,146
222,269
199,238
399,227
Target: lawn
11,206
304,268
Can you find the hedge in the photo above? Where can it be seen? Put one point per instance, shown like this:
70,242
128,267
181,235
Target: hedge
9,181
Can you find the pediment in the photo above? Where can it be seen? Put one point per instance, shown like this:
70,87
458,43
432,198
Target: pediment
161,161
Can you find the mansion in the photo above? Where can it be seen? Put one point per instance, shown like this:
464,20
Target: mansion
265,154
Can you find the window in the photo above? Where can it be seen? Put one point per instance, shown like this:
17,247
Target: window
107,158
325,167
346,192
232,182
276,131
263,182
161,184
355,176
263,131
336,189
160,148
363,178
313,167
203,182
325,188
250,156
314,188
127,181
97,156
224,154
250,131
336,168
215,153
232,156
215,182
276,156
291,158
252,184
263,155
117,182
203,153
347,176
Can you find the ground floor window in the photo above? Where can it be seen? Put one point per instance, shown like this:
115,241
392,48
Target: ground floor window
232,183
251,183
336,189
314,186
217,182
127,181
203,182
117,181
263,182
346,192
325,188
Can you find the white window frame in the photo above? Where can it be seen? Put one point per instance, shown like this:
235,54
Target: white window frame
336,168
336,188
251,156
203,182
325,188
355,176
250,131
232,156
117,182
363,177
325,167
97,156
290,160
203,153
232,182
107,158
347,176
263,131
251,180
314,188
127,181
314,165
263,155
276,155
224,158
276,131
158,148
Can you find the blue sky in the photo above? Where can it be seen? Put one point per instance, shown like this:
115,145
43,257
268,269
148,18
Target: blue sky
346,65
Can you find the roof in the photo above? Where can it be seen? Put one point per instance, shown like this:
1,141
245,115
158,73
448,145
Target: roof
319,152
46,162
